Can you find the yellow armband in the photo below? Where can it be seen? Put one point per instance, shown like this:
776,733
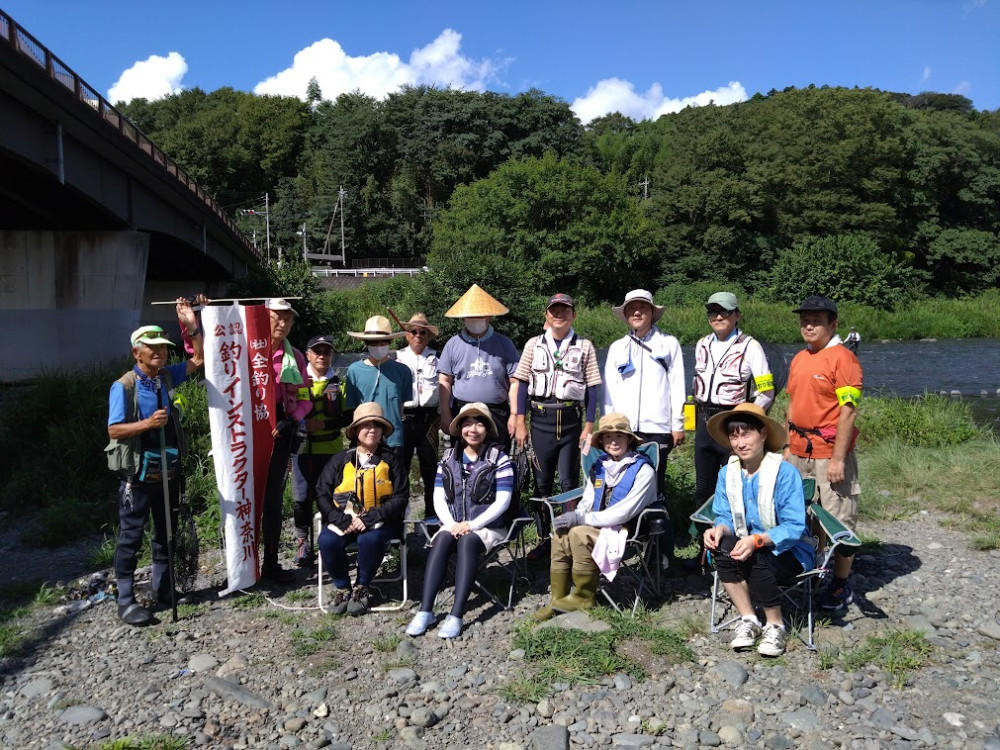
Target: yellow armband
764,382
848,394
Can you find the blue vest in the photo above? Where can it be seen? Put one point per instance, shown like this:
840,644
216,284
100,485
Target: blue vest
603,499
470,495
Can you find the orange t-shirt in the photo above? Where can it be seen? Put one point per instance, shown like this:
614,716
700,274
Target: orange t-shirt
818,383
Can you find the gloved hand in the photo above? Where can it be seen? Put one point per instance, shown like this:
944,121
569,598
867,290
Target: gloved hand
286,427
567,520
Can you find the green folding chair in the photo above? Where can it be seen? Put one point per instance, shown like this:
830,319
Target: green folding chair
800,593
642,563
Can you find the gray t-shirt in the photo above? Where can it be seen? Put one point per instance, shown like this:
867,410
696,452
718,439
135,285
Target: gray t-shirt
481,367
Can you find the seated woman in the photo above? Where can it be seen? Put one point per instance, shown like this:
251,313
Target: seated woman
359,498
759,538
472,490
621,484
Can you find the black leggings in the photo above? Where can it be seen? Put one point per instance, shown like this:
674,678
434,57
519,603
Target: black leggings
468,550
763,571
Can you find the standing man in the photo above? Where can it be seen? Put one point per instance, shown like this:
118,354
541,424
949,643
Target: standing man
730,368
420,411
140,415
853,340
478,363
385,381
291,404
321,438
824,389
644,377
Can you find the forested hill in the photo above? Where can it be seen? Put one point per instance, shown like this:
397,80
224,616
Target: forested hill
868,195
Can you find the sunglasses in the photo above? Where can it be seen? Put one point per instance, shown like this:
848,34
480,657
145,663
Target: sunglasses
719,313
420,332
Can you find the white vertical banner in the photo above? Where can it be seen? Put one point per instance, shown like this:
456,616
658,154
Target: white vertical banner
241,416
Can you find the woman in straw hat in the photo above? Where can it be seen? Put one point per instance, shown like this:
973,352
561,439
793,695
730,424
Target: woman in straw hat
620,485
473,489
759,537
359,498
420,411
477,364
383,380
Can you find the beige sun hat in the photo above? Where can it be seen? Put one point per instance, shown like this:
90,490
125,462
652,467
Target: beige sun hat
419,320
475,409
368,412
476,303
614,422
638,295
377,328
718,426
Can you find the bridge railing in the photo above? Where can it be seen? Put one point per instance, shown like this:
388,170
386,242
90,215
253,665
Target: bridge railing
33,50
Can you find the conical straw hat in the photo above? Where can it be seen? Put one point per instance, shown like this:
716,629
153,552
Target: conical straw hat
476,303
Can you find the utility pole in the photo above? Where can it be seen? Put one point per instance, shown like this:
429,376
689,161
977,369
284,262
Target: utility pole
645,188
267,221
343,252
305,249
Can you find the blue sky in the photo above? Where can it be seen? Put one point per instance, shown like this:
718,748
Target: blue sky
643,59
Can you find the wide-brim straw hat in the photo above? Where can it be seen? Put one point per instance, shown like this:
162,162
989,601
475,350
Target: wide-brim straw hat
476,303
368,412
419,320
614,422
377,328
718,426
475,409
638,295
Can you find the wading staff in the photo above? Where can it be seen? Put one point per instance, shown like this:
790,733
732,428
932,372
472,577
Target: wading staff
166,500
398,321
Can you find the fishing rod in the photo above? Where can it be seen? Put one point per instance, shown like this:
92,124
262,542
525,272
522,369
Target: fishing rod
230,299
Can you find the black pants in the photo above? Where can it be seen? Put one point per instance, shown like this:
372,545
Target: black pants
274,495
763,571
666,442
709,457
306,470
555,439
416,440
500,413
468,550
136,500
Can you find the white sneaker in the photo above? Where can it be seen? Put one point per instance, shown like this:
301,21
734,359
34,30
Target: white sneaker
772,641
419,624
747,633
450,628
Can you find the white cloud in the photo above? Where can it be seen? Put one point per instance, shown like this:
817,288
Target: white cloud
927,74
153,78
617,95
962,87
440,63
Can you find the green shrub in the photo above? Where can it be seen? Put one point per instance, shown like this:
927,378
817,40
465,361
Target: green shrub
929,421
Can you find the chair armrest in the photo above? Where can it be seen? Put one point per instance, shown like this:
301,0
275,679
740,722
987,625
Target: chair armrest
704,514
834,529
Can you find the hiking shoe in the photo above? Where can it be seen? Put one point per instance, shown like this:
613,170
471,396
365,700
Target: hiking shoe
772,640
277,573
419,624
359,601
747,633
340,600
838,595
450,628
303,554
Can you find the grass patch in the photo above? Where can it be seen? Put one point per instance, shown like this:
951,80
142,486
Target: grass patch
152,742
558,655
898,653
869,542
300,595
308,642
249,601
387,643
102,555
191,611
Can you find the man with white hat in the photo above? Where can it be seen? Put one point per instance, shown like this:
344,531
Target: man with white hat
644,376
478,363
420,412
383,380
140,415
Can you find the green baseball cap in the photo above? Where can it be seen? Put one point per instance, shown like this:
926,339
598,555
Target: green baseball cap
725,300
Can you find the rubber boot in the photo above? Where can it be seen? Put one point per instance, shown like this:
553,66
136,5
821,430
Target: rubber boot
584,592
559,583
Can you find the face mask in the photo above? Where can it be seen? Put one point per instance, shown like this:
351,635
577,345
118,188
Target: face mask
378,352
476,326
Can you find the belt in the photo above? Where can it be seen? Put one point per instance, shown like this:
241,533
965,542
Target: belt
707,408
535,403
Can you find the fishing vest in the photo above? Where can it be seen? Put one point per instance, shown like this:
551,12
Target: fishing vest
560,377
469,494
605,496
724,385
125,456
371,484
326,404
766,480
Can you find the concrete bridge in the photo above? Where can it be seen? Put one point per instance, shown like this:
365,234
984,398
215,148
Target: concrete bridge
95,220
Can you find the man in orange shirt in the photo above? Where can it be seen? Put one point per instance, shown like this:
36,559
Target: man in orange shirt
824,388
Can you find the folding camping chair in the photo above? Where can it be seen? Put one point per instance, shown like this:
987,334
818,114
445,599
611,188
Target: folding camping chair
800,593
642,562
397,544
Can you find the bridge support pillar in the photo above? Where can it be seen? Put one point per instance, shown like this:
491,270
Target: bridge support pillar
68,299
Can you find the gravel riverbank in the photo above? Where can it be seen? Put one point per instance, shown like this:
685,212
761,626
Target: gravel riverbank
245,673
